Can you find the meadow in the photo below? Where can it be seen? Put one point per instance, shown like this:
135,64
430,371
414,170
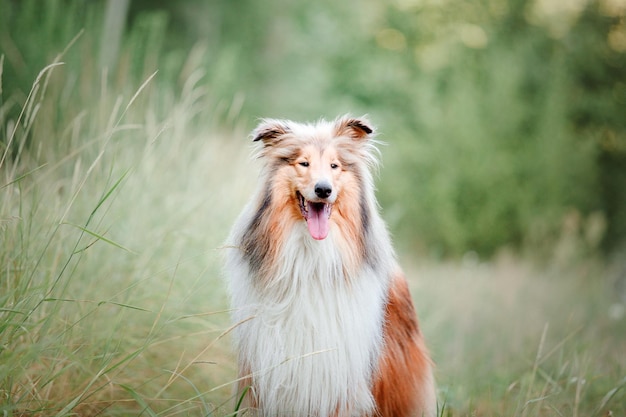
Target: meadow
117,192
113,300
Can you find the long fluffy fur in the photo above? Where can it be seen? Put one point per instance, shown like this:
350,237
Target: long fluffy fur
325,326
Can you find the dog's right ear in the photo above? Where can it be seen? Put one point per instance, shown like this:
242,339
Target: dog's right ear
270,131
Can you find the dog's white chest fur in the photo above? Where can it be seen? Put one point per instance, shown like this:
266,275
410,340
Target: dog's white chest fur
312,337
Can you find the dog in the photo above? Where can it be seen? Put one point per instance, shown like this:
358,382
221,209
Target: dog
324,321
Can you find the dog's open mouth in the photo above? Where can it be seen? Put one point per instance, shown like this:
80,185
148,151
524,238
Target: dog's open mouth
316,216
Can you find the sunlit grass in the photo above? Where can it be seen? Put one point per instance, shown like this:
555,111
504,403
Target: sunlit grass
112,300
112,297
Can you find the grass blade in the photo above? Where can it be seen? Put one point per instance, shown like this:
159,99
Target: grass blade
21,177
29,99
72,404
609,395
99,303
240,400
100,237
139,400
108,193
139,90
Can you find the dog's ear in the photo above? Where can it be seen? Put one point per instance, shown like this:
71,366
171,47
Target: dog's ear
269,131
355,128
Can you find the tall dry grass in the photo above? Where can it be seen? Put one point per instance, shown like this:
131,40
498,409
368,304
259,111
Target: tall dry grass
112,218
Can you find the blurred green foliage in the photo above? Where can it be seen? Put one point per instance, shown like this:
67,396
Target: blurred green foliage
505,119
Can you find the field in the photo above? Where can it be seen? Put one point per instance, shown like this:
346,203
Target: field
125,157
113,300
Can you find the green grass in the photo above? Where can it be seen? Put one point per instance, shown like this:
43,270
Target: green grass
112,300
511,339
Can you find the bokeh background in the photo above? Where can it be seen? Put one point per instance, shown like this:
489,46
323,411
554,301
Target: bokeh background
124,158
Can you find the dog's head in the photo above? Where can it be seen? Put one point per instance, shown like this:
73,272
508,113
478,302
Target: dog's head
314,167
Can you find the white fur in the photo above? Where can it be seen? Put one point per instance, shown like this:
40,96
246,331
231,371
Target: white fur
314,336
311,335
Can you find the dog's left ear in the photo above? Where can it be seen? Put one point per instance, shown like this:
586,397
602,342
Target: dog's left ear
355,128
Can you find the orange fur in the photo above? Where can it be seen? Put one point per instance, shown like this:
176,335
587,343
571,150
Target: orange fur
402,384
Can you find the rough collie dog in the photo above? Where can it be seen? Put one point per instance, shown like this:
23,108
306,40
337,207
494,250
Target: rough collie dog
325,325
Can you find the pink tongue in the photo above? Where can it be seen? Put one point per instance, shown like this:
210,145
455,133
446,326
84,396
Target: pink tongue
317,221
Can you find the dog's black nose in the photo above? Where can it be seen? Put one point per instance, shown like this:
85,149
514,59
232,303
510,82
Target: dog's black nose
323,189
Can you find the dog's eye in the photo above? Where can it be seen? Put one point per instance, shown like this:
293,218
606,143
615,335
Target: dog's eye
334,166
304,164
